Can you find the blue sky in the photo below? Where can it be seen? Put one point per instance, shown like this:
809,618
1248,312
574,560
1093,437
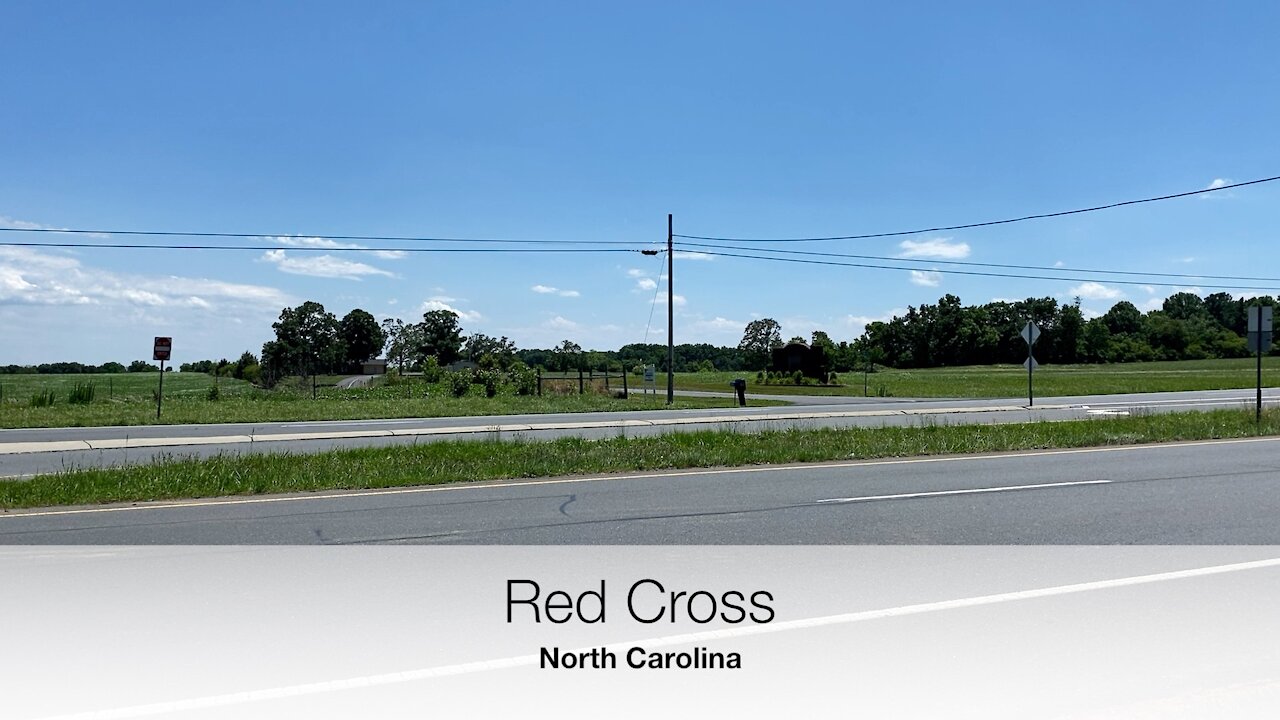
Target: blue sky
592,121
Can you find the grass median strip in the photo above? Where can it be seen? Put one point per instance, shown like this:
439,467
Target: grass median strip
473,460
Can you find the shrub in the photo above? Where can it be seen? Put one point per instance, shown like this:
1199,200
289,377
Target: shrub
833,379
797,377
491,379
431,370
44,398
458,383
213,393
523,378
81,394
760,377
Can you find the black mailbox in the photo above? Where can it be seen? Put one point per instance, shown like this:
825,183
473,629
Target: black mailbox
740,385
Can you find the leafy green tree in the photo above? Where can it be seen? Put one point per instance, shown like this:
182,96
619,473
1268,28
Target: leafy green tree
758,339
490,352
1185,306
306,342
441,336
566,356
1123,318
362,338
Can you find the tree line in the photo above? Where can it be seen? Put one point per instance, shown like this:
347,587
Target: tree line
1186,327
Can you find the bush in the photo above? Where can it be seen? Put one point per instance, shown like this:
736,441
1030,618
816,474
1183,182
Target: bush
833,379
523,379
797,377
213,393
431,370
491,379
458,383
81,394
44,398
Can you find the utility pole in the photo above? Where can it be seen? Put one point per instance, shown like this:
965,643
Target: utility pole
671,337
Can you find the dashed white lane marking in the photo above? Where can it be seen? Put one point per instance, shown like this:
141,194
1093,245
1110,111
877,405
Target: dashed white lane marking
166,505
967,491
430,673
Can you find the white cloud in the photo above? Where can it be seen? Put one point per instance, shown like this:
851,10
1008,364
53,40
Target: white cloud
941,248
327,244
8,222
646,284
1058,263
926,278
437,303
548,290
715,327
1218,183
33,277
676,300
1095,291
326,266
1150,304
636,273
858,323
687,255
1187,259
1150,290
562,323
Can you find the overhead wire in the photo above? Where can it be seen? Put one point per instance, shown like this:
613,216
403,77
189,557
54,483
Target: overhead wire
975,273
304,248
1188,276
988,223
359,238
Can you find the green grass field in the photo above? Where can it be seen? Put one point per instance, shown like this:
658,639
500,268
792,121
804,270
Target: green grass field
472,460
127,399
1011,380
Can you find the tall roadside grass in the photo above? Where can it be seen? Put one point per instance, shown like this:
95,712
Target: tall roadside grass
472,460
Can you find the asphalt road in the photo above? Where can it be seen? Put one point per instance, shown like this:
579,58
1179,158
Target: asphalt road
1216,492
31,451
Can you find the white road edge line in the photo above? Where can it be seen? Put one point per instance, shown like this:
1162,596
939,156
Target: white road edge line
968,491
368,681
482,485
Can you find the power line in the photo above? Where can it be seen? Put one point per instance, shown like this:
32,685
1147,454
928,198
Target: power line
1187,276
977,273
989,222
139,246
362,238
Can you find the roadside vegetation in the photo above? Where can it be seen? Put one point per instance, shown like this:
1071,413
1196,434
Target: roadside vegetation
88,400
1010,381
472,460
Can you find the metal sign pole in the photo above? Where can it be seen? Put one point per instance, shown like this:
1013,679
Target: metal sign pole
160,393
1031,395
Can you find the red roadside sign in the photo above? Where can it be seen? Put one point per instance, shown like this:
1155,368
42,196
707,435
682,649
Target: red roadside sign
162,348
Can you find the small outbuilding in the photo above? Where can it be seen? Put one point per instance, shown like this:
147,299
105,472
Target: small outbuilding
375,366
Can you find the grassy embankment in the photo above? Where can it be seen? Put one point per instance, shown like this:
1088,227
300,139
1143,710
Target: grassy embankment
1010,381
463,461
128,399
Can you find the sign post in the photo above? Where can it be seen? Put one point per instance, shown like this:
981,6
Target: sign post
160,351
650,379
1030,333
1259,341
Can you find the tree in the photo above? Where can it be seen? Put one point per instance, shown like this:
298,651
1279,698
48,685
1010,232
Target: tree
1184,306
1123,318
441,336
361,336
306,342
758,339
487,351
565,356
143,366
